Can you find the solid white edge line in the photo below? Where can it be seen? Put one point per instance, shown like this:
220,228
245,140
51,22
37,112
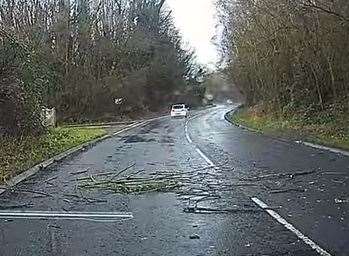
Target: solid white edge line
130,127
333,150
290,227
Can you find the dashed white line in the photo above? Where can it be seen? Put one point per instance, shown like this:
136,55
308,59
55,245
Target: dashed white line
290,227
187,134
210,163
265,207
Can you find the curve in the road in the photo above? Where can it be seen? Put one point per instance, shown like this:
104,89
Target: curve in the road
263,205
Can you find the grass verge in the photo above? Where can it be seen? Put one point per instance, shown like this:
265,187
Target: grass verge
331,134
19,154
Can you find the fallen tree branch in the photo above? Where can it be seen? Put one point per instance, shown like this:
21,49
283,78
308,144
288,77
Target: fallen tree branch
278,191
277,175
87,199
123,170
32,192
79,172
203,210
10,207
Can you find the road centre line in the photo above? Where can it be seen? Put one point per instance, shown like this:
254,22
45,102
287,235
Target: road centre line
187,134
210,163
290,227
265,207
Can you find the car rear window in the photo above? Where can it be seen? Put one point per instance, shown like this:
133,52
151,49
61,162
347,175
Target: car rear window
177,106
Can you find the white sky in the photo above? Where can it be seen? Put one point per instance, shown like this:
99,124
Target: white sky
196,21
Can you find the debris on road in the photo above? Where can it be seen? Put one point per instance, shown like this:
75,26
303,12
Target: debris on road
83,198
279,191
79,172
203,210
11,207
50,179
124,170
194,236
139,182
130,184
278,176
341,201
16,190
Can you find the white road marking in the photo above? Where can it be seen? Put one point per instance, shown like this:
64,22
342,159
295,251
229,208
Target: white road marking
130,127
265,207
187,133
44,215
210,163
334,150
290,227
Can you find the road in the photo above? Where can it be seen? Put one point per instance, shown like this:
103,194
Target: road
223,169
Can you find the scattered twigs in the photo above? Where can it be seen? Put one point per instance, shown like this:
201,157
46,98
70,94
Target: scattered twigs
241,185
205,210
279,191
334,173
136,183
134,174
32,192
341,200
11,207
83,198
123,170
79,172
277,176
343,181
131,185
104,174
293,175
51,179
199,183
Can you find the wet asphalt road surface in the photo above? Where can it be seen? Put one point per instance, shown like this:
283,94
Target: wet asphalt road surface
306,186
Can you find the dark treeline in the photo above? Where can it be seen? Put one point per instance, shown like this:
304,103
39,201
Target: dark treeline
291,55
80,56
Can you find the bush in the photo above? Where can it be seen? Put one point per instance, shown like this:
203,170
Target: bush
22,83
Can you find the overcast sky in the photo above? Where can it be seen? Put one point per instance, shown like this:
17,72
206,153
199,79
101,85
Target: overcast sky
196,21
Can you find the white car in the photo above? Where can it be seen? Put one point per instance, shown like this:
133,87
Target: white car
179,110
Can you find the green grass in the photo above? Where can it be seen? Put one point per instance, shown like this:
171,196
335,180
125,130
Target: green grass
19,154
332,134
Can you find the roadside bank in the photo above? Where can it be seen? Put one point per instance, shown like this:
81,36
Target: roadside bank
331,134
20,153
